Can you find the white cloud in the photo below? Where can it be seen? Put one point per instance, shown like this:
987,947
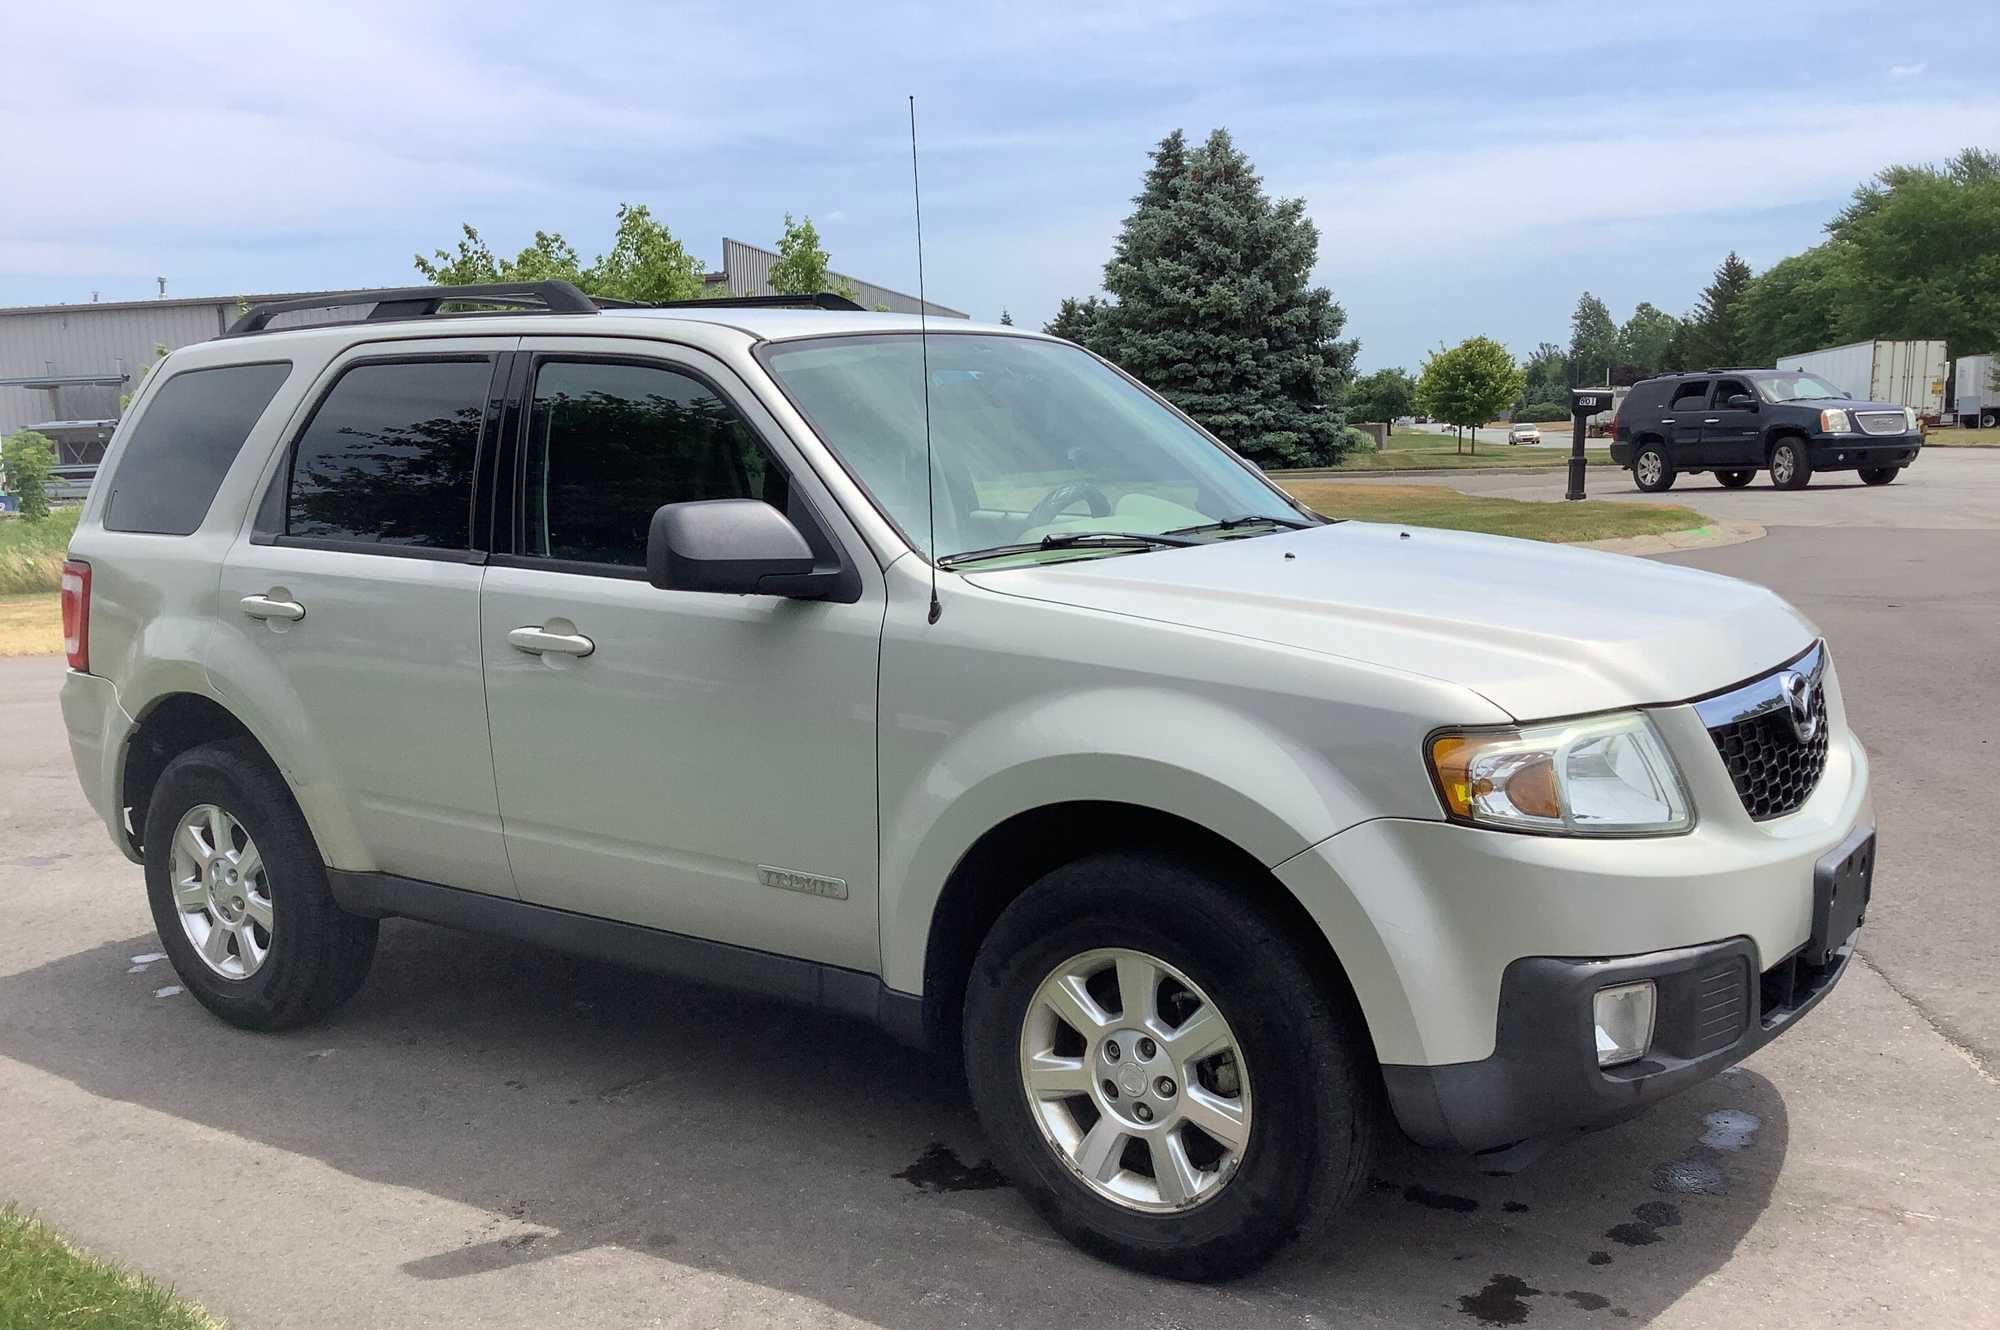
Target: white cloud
1907,71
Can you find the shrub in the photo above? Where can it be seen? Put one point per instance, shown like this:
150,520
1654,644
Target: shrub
1357,439
1541,413
28,458
32,553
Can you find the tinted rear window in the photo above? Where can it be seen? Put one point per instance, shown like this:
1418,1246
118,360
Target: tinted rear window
389,454
183,445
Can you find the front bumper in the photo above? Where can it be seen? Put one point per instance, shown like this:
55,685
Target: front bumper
1851,452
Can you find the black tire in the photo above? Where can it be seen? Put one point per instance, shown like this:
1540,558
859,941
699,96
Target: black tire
1735,480
1796,473
1989,419
319,954
1317,1105
1879,475
1652,472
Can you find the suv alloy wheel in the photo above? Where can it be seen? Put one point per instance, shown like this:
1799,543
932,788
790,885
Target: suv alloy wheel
1651,471
1791,465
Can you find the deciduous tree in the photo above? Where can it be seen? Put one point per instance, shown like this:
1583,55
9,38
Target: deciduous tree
1470,383
801,269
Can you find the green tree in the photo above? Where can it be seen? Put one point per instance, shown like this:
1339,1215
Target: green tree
1545,376
1075,319
1925,244
801,269
1644,338
1798,304
1715,328
1214,306
29,457
1006,319
1383,395
646,262
1593,341
1470,383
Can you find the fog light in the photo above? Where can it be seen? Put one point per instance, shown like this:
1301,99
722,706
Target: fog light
1624,1018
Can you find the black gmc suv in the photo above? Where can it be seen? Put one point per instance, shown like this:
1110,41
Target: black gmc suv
1736,422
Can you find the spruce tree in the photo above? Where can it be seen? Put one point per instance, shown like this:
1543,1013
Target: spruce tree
1214,309
1716,335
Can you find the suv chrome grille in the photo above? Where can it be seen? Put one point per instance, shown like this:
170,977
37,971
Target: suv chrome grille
1882,422
1772,735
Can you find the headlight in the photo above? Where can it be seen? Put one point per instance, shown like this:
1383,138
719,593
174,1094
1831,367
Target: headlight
1603,776
1833,420
1910,418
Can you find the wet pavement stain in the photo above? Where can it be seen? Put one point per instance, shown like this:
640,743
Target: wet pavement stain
1633,1235
1600,1258
1657,1213
1501,1302
1730,1129
1648,1218
1590,1302
1694,1174
1439,1200
938,1169
1514,1207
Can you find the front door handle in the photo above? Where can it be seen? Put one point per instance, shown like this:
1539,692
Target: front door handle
538,641
263,607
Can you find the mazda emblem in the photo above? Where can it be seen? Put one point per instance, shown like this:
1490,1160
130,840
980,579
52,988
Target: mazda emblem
1798,705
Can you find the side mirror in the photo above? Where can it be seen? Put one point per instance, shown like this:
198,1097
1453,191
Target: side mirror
1743,401
742,547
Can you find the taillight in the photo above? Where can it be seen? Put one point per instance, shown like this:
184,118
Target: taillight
76,614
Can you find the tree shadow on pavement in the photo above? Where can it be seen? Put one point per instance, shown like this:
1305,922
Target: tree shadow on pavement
585,1106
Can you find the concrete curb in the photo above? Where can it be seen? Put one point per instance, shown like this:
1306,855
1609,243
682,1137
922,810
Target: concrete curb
1730,532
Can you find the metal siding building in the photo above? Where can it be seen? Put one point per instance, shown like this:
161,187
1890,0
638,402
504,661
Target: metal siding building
746,269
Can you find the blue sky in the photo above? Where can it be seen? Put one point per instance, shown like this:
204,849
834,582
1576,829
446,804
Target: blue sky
1472,167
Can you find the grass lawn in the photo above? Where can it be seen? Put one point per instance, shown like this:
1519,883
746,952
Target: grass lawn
1962,438
45,1283
31,553
1435,505
30,625
1412,450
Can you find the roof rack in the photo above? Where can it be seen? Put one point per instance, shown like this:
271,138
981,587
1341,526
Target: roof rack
422,302
817,300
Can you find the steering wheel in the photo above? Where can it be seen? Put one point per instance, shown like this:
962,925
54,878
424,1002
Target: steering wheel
1061,497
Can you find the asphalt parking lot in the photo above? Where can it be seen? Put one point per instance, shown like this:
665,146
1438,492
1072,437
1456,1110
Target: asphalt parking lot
495,1135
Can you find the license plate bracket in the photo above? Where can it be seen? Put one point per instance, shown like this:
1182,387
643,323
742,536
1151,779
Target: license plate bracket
1843,880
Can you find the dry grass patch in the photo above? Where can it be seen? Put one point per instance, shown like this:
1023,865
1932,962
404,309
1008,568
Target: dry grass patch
31,625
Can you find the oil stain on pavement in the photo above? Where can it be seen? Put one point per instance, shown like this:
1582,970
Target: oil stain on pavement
938,1169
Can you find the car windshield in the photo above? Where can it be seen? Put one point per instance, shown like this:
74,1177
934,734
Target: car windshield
1031,439
1793,387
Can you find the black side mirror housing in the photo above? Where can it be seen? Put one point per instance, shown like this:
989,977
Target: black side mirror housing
1742,402
742,547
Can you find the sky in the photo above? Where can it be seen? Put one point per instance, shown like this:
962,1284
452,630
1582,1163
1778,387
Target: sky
1471,167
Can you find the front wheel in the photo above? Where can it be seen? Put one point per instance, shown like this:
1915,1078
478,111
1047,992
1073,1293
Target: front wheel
1651,471
1878,475
1734,480
1791,465
1162,1071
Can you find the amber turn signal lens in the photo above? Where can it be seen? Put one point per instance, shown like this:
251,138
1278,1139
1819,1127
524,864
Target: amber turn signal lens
1451,755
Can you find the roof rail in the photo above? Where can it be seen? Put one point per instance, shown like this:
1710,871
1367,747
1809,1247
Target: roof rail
817,300
422,302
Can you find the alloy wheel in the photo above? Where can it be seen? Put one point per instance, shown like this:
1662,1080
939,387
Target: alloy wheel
1649,468
222,892
1136,1080
1782,466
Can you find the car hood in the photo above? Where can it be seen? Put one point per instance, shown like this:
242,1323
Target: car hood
1848,402
1539,630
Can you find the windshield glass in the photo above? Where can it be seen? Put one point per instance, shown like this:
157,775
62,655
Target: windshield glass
1790,386
1030,439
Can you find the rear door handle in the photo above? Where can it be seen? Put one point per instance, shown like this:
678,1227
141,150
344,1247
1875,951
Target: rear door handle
1711,421
263,607
537,641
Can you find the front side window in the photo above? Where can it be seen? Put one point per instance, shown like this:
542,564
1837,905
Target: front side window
1692,396
610,442
1030,439
1729,388
184,443
388,458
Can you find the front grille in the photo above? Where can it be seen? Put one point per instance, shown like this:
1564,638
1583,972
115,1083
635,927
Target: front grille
1882,422
1773,771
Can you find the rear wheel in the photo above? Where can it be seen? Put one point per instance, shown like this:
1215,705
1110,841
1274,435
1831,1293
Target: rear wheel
1878,475
239,894
1651,471
1161,1071
1989,419
1735,480
1791,465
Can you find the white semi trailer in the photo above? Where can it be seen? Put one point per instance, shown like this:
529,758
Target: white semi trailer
1975,396
1908,374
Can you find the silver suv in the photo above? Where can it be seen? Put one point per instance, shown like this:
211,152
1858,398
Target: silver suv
959,683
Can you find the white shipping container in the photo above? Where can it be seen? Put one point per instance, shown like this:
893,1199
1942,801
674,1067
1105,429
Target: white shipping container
1908,373
1974,398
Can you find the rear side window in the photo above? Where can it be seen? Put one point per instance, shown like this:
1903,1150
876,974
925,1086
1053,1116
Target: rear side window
184,444
1692,396
609,442
388,457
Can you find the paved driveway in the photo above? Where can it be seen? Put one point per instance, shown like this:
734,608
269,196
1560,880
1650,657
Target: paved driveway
493,1135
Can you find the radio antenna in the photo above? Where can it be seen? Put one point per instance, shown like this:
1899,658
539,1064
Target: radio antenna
924,344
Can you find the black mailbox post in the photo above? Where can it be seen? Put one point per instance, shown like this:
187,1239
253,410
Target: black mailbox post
1583,404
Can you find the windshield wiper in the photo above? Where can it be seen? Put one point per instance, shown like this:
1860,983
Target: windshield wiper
1248,519
1062,540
